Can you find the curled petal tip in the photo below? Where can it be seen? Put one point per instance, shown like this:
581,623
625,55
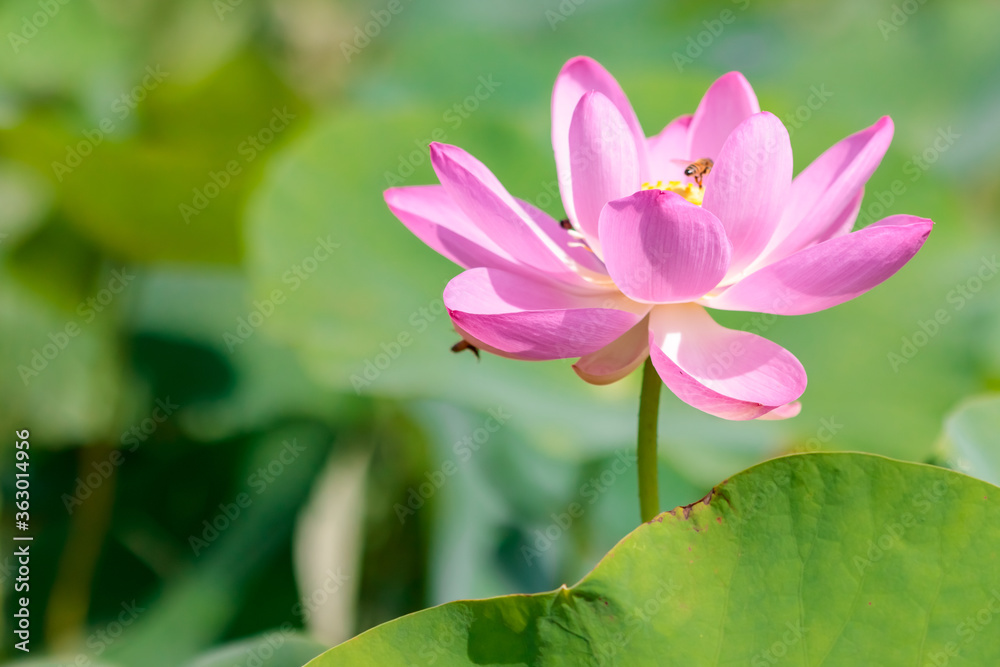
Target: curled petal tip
786,411
905,220
883,125
581,59
735,76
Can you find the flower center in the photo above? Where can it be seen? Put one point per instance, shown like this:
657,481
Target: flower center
692,193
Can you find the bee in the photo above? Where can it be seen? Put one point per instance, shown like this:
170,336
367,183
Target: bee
698,169
463,345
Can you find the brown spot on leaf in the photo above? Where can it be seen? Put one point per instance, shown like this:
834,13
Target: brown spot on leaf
706,500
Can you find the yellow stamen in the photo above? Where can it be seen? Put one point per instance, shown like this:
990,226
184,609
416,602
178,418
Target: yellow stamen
692,193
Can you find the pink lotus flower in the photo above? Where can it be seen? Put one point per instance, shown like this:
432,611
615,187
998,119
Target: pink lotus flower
635,273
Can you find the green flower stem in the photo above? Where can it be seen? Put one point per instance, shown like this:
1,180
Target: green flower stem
649,411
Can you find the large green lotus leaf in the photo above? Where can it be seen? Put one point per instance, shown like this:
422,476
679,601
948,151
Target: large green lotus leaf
809,559
972,438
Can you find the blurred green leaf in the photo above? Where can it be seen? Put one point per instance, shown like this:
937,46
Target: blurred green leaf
279,648
62,356
172,188
812,558
233,541
205,306
26,199
89,51
972,438
66,46
328,544
58,263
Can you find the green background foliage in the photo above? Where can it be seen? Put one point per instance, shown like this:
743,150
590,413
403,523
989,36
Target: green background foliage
256,316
